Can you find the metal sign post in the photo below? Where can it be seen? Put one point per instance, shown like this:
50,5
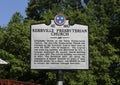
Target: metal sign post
60,78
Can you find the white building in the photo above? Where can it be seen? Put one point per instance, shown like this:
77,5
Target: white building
2,62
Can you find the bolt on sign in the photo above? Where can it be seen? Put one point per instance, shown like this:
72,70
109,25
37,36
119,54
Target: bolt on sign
59,45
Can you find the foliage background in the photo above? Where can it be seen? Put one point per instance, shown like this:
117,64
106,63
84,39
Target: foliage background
103,19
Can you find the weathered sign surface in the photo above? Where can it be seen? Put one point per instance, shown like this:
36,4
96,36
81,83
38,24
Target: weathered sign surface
59,47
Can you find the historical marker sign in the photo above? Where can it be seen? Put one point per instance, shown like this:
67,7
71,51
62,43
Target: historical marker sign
59,47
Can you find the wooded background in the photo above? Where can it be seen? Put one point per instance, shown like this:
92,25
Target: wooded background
103,19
